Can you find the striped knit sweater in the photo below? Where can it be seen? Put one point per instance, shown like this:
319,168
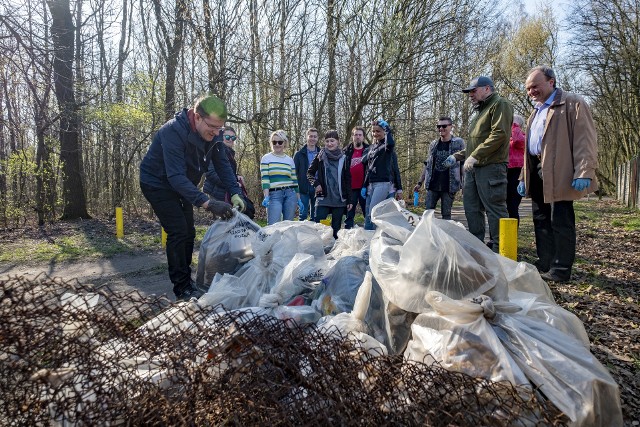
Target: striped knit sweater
278,172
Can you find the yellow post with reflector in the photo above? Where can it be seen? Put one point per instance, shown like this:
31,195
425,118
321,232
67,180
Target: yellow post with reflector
509,238
164,238
119,223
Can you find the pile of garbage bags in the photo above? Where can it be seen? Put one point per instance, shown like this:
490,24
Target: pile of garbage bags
418,286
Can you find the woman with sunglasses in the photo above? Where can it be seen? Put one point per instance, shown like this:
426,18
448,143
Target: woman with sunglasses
279,181
213,184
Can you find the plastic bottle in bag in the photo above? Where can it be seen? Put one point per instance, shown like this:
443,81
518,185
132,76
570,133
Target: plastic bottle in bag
416,198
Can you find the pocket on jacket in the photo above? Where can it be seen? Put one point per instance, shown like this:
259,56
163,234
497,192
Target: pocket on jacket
498,190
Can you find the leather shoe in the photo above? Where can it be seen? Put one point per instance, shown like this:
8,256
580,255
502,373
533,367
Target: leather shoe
551,277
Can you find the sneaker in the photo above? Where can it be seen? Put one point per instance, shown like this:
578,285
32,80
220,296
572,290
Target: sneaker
188,293
490,244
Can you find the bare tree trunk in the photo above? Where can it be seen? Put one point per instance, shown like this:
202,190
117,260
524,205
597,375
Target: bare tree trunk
62,32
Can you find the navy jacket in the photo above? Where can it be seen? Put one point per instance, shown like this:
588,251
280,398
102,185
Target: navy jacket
178,156
213,184
302,165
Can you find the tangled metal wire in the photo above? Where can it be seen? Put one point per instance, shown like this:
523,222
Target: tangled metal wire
137,360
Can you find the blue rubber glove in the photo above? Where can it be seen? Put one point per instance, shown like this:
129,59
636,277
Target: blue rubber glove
581,183
363,192
300,206
449,161
265,202
521,189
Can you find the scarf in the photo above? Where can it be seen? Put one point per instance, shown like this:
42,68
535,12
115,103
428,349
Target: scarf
331,155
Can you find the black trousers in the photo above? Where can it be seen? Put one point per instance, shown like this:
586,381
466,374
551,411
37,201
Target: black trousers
357,198
322,212
176,217
555,227
513,197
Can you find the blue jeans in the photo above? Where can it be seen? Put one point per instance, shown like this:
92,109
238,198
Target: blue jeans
356,198
446,202
309,203
485,190
376,192
322,212
282,205
176,217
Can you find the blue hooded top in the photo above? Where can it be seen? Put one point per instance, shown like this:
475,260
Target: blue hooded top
178,157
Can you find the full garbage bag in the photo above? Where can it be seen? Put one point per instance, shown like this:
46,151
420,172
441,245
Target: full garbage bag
411,256
225,247
498,341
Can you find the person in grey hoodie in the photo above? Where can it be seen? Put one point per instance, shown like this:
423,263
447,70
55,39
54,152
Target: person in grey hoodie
333,183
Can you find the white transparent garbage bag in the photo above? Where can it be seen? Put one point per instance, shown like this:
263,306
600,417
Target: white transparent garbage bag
410,257
495,341
532,294
302,274
225,247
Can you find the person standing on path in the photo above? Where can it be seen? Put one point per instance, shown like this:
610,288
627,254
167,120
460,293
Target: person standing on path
329,175
487,156
354,152
560,167
441,174
302,160
279,181
178,156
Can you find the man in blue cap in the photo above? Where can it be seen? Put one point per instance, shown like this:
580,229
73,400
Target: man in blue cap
179,155
485,159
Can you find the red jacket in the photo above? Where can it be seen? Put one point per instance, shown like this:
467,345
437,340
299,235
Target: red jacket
516,147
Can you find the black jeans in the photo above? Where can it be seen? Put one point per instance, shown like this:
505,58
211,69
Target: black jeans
176,217
555,228
356,198
322,212
513,197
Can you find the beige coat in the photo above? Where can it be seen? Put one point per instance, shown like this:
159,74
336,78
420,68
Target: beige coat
569,148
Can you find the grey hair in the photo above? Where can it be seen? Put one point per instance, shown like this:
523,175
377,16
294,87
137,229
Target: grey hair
519,120
547,71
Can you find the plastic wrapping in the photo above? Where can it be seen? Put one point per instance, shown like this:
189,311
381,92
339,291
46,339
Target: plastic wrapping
302,274
495,342
409,258
225,247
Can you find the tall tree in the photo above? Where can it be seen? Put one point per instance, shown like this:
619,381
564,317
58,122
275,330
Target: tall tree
62,34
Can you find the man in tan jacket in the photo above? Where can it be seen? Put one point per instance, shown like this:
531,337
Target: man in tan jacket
560,167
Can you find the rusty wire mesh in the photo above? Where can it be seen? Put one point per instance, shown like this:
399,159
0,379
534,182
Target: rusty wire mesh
122,362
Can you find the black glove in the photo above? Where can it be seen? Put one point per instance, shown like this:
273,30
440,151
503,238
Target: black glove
220,210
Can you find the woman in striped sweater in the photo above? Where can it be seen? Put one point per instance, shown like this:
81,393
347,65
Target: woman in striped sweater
279,181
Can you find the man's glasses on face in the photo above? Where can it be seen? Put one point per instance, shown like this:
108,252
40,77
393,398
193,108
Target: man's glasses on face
277,142
230,137
211,126
442,126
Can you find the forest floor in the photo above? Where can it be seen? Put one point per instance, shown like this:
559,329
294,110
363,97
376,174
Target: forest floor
604,291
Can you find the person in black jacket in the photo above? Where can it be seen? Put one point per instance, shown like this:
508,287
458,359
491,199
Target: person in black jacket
214,185
302,160
378,169
179,155
333,183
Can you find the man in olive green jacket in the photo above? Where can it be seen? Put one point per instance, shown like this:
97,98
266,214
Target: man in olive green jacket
487,156
560,167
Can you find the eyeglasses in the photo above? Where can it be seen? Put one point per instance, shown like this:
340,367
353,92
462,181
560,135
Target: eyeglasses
277,142
230,137
442,126
212,126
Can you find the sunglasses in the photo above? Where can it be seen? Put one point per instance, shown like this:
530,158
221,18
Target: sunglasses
277,142
230,137
442,126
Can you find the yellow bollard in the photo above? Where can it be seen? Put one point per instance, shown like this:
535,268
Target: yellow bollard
119,223
509,238
164,238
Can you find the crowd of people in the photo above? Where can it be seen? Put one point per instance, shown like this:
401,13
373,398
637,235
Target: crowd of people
551,158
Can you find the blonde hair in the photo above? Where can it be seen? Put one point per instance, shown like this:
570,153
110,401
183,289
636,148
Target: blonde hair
279,133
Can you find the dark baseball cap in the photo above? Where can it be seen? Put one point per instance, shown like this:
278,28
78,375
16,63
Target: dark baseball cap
478,82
